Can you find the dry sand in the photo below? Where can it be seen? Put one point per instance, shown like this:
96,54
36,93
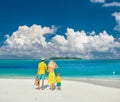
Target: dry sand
23,90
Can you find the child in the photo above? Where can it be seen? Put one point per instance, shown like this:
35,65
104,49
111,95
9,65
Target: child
58,81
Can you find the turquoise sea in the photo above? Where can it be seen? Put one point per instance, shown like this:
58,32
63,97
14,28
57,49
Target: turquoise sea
67,68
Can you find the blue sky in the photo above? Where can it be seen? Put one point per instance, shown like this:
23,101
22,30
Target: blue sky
79,15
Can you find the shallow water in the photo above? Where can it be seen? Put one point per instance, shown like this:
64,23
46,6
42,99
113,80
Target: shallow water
67,68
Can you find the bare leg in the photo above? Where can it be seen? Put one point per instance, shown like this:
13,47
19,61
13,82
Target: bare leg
42,84
52,86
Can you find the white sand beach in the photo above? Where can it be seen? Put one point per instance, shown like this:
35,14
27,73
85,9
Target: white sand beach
23,90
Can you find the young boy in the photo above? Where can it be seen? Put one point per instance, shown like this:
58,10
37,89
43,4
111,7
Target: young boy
58,81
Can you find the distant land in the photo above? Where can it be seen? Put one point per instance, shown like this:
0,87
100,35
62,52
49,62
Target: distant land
58,58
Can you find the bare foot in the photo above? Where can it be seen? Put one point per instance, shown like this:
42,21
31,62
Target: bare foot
38,88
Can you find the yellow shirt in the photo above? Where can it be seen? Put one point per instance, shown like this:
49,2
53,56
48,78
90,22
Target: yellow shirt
41,68
58,79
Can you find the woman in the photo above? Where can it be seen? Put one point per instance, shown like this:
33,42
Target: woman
51,77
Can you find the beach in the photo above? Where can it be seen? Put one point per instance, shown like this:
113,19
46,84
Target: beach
23,90
82,81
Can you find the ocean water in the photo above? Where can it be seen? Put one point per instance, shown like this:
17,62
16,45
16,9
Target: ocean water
67,68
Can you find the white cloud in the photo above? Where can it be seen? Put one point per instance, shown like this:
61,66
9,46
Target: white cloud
29,42
117,18
92,33
97,1
113,4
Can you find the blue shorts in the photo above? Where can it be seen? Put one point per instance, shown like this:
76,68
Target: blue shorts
41,76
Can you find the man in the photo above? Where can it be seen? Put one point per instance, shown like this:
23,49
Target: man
41,73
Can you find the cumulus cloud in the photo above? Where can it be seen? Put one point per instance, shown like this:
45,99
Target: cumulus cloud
117,18
30,42
112,4
26,41
97,1
92,33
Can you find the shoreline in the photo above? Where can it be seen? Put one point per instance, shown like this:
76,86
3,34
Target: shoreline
114,83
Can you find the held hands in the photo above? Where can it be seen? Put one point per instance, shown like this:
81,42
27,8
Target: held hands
47,69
